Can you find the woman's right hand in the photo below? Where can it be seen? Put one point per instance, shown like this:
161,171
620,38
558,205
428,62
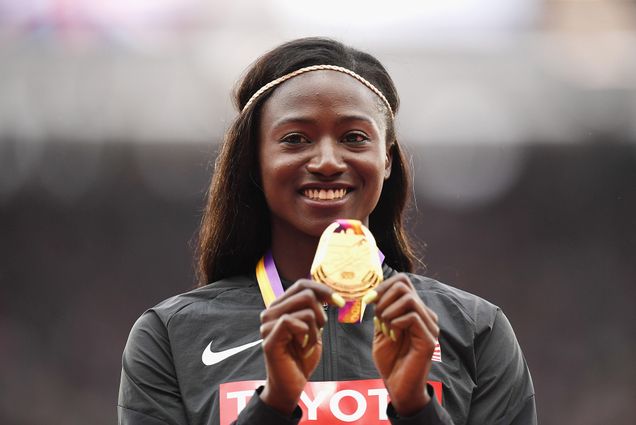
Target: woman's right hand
291,328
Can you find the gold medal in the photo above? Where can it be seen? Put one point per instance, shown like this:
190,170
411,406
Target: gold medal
347,261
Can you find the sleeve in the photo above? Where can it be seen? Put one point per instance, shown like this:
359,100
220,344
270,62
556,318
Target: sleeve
431,414
257,412
504,392
149,392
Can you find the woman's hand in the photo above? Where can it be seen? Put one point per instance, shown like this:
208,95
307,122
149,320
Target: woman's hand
406,331
292,341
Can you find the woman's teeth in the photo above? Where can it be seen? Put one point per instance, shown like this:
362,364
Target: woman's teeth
325,194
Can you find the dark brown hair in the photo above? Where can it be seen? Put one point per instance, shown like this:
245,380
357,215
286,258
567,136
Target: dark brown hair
235,227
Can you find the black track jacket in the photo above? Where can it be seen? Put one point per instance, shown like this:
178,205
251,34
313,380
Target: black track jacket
187,361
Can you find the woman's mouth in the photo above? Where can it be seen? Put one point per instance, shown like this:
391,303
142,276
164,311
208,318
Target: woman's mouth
325,194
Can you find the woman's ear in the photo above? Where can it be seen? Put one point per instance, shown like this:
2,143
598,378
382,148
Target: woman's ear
388,161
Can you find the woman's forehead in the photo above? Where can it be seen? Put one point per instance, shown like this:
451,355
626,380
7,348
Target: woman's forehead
325,89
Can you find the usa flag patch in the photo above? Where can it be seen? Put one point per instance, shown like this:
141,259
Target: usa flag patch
437,353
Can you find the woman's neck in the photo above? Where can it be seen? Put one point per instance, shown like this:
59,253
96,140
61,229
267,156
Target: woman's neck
293,255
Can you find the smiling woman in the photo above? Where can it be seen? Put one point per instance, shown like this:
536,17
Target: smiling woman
321,135
313,148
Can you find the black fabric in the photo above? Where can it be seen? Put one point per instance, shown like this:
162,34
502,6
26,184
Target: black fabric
484,375
130,417
432,413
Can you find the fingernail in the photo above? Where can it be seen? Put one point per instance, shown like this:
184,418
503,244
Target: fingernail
392,335
376,322
338,300
385,330
309,352
321,331
369,297
305,341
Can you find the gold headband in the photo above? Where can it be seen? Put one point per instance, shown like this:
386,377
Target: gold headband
293,74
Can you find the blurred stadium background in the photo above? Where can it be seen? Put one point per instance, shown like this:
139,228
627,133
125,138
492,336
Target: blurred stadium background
520,116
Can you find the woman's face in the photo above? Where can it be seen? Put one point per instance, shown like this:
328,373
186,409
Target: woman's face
322,152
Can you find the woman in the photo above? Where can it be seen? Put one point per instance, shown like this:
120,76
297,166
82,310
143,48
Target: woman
315,142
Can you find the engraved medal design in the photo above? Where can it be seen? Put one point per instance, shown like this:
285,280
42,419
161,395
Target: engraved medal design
347,261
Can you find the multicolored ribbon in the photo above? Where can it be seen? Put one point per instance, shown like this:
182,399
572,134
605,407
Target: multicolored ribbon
268,279
346,224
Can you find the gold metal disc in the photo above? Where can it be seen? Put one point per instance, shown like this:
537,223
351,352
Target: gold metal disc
347,262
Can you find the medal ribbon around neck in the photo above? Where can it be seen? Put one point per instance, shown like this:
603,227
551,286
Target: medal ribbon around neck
271,287
268,279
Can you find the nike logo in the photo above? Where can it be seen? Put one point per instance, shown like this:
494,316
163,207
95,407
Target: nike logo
210,357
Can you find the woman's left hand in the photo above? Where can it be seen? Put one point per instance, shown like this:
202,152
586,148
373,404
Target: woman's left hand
406,332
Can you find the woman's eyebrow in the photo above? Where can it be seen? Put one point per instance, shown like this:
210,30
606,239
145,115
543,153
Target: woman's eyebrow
347,118
309,120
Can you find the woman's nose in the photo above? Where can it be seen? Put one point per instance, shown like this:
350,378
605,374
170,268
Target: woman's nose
327,160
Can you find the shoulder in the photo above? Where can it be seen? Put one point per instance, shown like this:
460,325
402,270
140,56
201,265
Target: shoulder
468,319
199,299
473,308
454,306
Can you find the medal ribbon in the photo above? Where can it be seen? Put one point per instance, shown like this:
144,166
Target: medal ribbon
268,279
271,286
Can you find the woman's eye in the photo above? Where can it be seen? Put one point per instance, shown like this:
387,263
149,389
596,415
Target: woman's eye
294,139
355,138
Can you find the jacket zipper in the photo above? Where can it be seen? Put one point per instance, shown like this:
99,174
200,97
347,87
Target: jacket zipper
331,365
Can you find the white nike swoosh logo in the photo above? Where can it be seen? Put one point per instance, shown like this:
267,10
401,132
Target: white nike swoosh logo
210,357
